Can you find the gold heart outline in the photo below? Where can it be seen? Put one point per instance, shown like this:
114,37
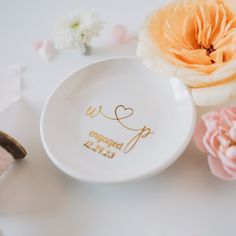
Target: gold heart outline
124,109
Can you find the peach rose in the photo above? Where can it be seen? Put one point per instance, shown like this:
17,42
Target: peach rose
195,41
215,135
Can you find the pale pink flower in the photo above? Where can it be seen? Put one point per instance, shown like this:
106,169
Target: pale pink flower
215,135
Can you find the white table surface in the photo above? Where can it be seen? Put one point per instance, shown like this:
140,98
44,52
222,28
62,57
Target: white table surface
38,199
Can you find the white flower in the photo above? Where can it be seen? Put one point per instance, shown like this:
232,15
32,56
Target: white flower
76,30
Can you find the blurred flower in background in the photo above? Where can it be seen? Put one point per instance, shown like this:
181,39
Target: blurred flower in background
76,31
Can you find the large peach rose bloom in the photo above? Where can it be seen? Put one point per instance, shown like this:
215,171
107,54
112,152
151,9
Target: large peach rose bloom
195,41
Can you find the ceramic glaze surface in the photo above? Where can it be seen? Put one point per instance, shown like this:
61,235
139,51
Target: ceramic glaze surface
114,121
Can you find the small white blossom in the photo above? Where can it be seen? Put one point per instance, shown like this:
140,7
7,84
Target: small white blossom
76,30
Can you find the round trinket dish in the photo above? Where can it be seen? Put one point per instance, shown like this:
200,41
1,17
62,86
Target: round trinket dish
114,121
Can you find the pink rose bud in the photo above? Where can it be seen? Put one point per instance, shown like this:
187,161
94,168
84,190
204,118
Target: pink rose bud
119,34
45,49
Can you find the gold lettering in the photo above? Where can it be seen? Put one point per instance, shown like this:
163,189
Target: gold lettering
142,134
109,143
105,139
92,134
119,146
114,144
93,112
99,138
120,113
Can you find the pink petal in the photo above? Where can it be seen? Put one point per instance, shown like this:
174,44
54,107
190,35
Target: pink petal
199,134
211,119
210,142
119,34
5,160
228,116
230,171
233,109
38,45
226,161
218,170
45,49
